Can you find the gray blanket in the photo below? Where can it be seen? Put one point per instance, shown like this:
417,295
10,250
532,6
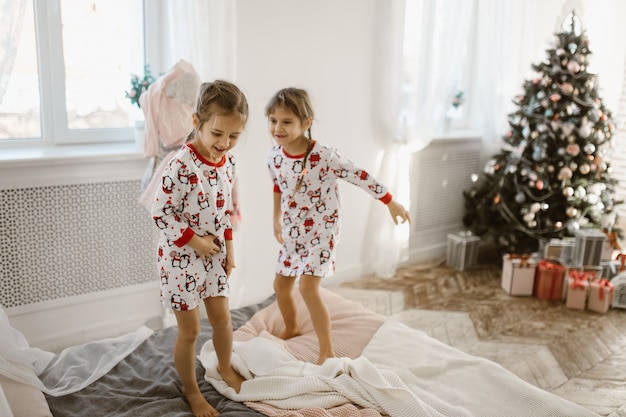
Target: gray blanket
146,383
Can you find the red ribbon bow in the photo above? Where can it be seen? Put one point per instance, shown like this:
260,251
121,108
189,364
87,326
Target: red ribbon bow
604,283
622,258
580,278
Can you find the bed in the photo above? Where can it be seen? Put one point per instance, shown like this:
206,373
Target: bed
383,368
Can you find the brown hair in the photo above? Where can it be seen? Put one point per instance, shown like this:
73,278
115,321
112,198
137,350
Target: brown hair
294,99
220,97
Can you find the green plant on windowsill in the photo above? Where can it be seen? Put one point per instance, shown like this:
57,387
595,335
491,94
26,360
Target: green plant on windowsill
139,85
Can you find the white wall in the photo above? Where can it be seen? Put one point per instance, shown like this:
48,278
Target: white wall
324,46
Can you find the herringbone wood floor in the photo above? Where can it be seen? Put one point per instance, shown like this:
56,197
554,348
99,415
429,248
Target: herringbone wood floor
578,355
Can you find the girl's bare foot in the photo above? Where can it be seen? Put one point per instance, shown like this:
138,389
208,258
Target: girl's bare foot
199,405
324,356
232,378
289,333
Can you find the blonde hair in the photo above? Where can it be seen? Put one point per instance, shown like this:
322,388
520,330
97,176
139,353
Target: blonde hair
296,100
220,98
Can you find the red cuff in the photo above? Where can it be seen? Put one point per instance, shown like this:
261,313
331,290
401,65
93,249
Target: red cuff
185,238
228,234
277,189
386,199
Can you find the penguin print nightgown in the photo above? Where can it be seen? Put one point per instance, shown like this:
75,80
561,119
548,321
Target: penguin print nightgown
311,216
195,197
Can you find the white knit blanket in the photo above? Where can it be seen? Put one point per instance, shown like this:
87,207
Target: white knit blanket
276,377
402,372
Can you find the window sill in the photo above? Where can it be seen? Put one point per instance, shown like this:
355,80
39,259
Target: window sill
67,154
59,165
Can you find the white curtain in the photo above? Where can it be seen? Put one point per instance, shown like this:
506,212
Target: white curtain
11,20
508,41
425,56
202,33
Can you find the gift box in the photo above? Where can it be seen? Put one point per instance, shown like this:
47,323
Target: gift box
619,293
610,268
601,293
549,280
588,246
592,272
561,250
518,274
577,289
462,250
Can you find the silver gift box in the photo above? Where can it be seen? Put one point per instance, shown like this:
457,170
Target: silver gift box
462,250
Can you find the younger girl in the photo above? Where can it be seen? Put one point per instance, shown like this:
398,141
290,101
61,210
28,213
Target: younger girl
195,251
307,210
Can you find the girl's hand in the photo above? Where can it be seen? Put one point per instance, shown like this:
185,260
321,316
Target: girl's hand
278,231
397,210
229,264
205,246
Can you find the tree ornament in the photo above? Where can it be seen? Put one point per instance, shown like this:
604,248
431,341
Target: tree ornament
535,207
573,227
567,88
573,149
585,129
573,67
584,169
565,173
571,212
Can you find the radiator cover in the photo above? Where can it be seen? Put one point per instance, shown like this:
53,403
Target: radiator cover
66,240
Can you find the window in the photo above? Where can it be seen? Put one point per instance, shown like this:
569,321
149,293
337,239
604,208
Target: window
65,70
437,65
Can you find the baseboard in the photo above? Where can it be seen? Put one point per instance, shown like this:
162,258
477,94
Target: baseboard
55,325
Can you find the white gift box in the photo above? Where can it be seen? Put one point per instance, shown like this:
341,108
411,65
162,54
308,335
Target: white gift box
601,295
518,274
462,250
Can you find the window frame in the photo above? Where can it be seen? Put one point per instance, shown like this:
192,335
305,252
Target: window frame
55,131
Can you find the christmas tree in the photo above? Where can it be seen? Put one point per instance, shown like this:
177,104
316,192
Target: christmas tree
551,176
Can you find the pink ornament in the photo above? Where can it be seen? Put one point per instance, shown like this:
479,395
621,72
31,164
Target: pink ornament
555,97
572,149
539,185
573,67
567,88
565,173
